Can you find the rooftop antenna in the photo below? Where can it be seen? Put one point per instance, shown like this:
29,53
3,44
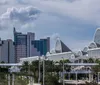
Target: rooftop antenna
14,30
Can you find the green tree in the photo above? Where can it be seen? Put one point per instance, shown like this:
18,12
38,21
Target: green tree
25,67
90,60
51,80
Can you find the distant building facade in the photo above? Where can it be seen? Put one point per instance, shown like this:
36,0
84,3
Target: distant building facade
7,51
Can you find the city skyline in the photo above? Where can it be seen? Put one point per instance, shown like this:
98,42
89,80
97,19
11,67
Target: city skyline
52,15
23,46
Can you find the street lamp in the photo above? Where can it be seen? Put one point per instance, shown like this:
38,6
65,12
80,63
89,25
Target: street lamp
63,70
39,70
29,72
12,70
44,58
43,69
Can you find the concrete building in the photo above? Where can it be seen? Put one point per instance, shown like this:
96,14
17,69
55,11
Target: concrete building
7,51
30,38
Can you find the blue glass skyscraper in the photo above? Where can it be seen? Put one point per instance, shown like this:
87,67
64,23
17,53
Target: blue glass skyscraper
42,45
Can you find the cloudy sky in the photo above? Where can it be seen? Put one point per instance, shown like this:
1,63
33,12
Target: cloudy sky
74,21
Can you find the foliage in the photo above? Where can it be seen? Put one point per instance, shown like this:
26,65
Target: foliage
3,80
91,83
21,80
51,72
96,68
90,60
51,80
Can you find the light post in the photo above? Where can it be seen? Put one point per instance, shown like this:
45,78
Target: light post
43,69
12,70
29,72
63,70
8,79
39,70
76,78
13,79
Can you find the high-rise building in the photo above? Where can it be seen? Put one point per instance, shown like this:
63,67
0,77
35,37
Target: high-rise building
20,41
30,38
7,51
42,45
26,45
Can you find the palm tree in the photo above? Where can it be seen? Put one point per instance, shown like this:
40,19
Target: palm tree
90,60
96,68
34,69
25,67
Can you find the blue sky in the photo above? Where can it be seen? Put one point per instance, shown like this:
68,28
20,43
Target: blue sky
74,21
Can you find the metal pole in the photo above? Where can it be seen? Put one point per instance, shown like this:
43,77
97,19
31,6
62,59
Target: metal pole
69,75
8,79
43,69
98,76
63,70
29,72
39,71
13,79
76,78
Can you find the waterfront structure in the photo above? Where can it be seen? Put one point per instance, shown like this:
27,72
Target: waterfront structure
7,51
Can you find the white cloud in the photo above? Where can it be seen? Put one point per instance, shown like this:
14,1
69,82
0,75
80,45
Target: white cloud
18,17
23,14
88,10
3,2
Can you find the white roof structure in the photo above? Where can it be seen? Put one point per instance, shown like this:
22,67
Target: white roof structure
54,57
30,59
97,36
82,64
60,47
58,56
92,45
94,53
85,49
11,64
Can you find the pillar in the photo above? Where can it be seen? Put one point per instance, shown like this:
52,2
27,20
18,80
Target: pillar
13,79
8,79
76,78
69,75
90,77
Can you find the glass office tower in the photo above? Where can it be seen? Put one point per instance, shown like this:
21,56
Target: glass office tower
27,46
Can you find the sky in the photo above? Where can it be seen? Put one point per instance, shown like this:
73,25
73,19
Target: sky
74,21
